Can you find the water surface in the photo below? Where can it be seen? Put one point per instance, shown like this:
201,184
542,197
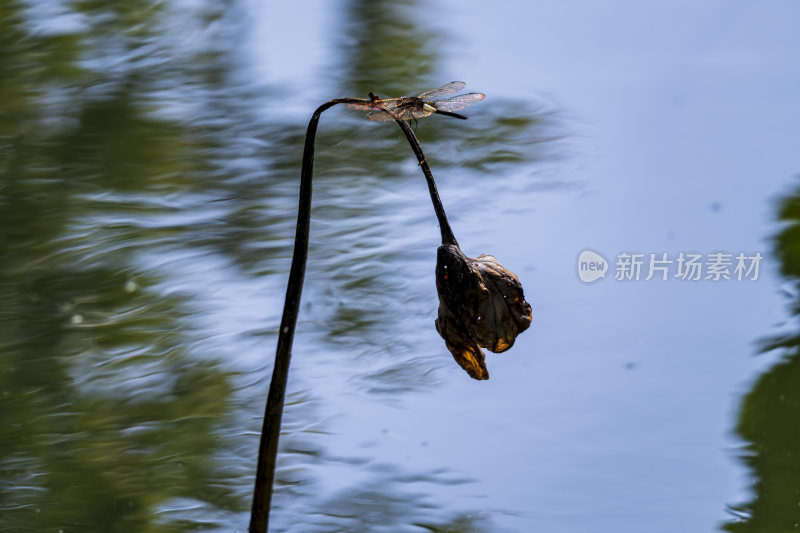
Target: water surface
149,163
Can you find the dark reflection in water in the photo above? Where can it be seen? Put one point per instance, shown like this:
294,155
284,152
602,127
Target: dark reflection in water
125,146
110,421
769,414
372,508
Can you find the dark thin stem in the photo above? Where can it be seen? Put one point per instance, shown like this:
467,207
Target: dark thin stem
444,225
268,446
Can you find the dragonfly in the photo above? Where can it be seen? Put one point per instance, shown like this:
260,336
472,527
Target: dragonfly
423,105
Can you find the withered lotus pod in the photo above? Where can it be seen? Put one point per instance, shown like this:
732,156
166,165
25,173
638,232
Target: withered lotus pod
481,304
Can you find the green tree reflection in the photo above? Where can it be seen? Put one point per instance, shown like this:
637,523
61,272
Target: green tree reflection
115,123
769,414
109,421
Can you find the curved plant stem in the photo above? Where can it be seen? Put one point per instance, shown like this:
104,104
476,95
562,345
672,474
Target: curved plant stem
268,446
444,225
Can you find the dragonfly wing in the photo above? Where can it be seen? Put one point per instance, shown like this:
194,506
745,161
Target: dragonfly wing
360,107
454,103
380,116
373,108
451,88
404,113
390,103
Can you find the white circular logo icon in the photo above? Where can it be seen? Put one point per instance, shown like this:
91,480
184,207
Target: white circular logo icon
591,266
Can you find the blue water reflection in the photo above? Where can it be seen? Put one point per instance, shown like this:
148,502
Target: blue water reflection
149,163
